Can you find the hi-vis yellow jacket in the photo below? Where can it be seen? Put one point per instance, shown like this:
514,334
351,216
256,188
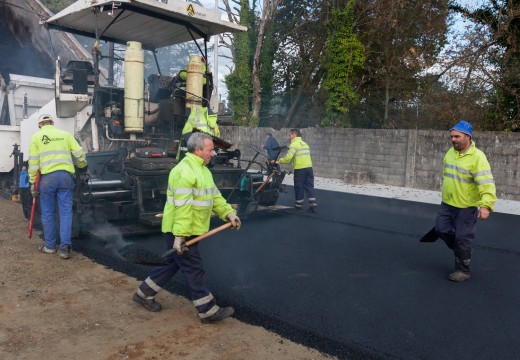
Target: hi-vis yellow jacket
299,153
467,179
51,150
200,119
191,198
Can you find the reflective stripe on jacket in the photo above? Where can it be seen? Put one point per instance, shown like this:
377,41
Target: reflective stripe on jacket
200,119
51,150
467,179
191,198
299,153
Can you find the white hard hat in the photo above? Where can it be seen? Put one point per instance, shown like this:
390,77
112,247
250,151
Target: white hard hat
45,117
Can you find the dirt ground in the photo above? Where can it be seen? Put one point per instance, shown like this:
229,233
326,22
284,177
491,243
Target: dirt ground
52,308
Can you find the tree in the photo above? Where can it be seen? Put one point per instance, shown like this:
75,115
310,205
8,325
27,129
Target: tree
268,12
344,56
267,76
502,51
402,39
239,81
57,5
298,73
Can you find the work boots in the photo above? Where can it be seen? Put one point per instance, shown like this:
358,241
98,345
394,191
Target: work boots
148,304
221,314
462,270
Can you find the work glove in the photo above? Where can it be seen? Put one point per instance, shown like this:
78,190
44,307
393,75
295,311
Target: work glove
234,220
179,244
82,170
34,193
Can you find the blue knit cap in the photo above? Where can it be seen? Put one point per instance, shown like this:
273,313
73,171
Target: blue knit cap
464,127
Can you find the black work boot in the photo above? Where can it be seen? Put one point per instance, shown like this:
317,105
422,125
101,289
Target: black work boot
148,304
462,270
221,314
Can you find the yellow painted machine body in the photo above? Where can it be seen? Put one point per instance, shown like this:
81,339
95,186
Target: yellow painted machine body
194,83
134,88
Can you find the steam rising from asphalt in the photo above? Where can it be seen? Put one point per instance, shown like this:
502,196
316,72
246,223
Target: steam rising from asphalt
114,244
113,240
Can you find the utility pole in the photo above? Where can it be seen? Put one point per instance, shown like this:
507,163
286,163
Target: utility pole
215,96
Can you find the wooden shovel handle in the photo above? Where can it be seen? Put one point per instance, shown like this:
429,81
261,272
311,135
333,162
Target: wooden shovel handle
200,237
208,234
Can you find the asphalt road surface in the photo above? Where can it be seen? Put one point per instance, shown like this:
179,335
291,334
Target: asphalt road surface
354,281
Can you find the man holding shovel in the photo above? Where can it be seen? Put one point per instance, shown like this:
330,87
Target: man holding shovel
191,198
468,194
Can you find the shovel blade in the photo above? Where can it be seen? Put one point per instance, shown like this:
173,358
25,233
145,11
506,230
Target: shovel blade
430,236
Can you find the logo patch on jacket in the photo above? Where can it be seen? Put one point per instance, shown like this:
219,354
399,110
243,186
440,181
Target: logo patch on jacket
46,139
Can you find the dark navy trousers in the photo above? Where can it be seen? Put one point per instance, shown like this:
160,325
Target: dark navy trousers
304,185
190,263
457,228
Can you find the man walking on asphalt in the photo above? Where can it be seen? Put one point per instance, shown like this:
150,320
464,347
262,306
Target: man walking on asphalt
299,154
50,153
468,194
191,198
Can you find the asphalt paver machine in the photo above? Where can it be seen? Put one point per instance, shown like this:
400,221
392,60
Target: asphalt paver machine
132,133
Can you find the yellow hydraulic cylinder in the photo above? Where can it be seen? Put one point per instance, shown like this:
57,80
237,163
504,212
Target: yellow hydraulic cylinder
194,82
134,87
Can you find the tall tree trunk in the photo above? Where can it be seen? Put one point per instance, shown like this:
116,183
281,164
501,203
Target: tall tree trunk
295,105
387,104
268,11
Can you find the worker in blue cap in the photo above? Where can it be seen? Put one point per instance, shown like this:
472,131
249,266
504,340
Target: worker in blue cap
468,194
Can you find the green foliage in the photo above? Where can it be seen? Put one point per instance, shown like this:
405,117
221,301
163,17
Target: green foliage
266,76
239,81
57,5
344,56
402,42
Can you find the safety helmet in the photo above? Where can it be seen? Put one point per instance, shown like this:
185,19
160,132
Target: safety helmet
464,127
44,117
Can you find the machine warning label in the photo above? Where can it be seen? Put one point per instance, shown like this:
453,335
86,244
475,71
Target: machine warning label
190,10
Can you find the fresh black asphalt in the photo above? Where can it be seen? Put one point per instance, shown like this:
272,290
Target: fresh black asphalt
353,280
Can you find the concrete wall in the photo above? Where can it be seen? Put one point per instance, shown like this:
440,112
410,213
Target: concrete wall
411,158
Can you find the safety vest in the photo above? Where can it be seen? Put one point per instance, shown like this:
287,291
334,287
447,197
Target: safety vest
191,197
51,150
467,179
200,119
299,153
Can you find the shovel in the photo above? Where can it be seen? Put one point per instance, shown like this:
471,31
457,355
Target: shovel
430,236
200,237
